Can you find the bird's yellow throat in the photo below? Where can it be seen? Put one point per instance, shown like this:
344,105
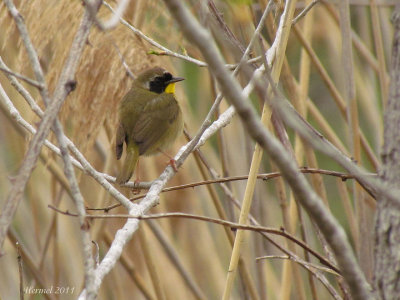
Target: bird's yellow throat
170,89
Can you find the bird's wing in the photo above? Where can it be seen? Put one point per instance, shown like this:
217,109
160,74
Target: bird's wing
119,141
157,116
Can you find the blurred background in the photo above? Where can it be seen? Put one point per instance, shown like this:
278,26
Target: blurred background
191,256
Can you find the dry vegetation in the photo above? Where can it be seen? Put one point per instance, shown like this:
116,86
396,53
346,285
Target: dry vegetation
180,258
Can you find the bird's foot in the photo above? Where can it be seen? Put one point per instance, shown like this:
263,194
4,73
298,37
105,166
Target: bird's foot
136,189
172,163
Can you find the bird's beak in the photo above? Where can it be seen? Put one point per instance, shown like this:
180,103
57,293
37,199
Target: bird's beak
175,79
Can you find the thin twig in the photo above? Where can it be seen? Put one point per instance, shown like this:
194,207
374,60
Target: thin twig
305,263
30,263
22,77
225,28
20,271
304,11
230,224
154,43
313,269
124,64
264,176
22,90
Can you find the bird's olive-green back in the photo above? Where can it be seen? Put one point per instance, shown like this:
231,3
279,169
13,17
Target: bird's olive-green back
150,120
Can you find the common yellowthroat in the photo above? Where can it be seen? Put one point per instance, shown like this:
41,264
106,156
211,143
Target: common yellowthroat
150,118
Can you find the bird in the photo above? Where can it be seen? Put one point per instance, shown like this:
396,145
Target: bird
149,119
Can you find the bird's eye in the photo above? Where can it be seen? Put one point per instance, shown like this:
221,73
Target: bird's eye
157,84
167,76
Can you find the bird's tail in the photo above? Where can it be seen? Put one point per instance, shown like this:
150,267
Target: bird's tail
131,159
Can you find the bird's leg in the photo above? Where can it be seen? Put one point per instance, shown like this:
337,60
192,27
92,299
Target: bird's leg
172,161
136,189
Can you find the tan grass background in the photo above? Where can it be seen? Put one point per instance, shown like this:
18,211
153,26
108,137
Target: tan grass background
51,241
